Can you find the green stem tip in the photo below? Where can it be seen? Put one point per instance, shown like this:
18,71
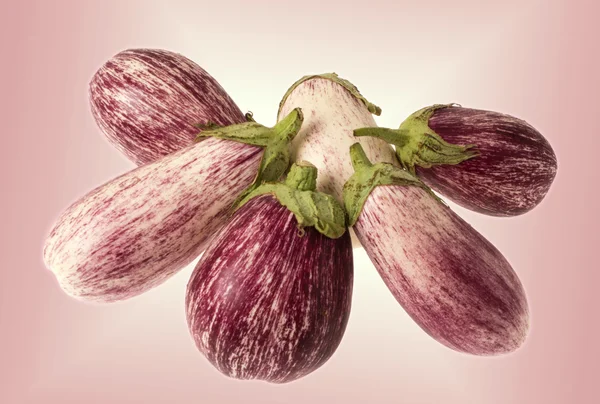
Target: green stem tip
302,176
276,156
288,127
359,157
419,145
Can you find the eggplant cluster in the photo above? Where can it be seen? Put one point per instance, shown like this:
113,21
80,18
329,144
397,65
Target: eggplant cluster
269,209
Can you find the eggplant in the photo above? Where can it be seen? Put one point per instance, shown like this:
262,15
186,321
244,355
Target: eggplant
332,108
452,281
134,232
270,298
485,161
147,101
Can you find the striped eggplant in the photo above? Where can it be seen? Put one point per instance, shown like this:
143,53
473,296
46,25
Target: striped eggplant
333,108
134,232
453,282
488,162
270,298
146,102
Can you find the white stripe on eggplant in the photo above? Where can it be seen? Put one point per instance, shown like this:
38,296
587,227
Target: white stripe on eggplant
453,282
273,331
331,113
450,280
486,161
513,173
146,102
137,230
276,312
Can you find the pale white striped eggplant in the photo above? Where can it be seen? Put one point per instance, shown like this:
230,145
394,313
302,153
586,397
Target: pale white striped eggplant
333,108
147,101
270,298
134,232
486,161
452,281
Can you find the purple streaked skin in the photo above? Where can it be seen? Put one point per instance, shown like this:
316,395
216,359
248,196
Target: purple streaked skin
453,282
512,173
132,233
331,113
266,303
146,102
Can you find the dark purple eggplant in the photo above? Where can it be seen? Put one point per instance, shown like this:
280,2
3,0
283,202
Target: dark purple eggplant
270,297
453,282
485,161
147,101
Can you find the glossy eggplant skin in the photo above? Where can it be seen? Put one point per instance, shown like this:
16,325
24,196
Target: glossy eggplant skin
452,281
146,102
512,173
267,303
137,230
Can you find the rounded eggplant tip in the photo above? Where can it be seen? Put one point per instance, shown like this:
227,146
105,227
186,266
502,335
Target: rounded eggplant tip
96,79
491,337
56,267
505,347
276,379
286,380
521,332
507,343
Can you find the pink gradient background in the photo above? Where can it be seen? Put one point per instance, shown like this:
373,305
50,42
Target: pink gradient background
534,59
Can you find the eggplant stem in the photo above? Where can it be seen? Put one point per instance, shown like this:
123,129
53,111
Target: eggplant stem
359,157
368,176
311,208
209,125
302,176
418,145
276,157
251,133
397,137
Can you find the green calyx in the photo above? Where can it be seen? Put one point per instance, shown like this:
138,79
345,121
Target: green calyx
418,145
374,109
367,176
275,141
297,193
